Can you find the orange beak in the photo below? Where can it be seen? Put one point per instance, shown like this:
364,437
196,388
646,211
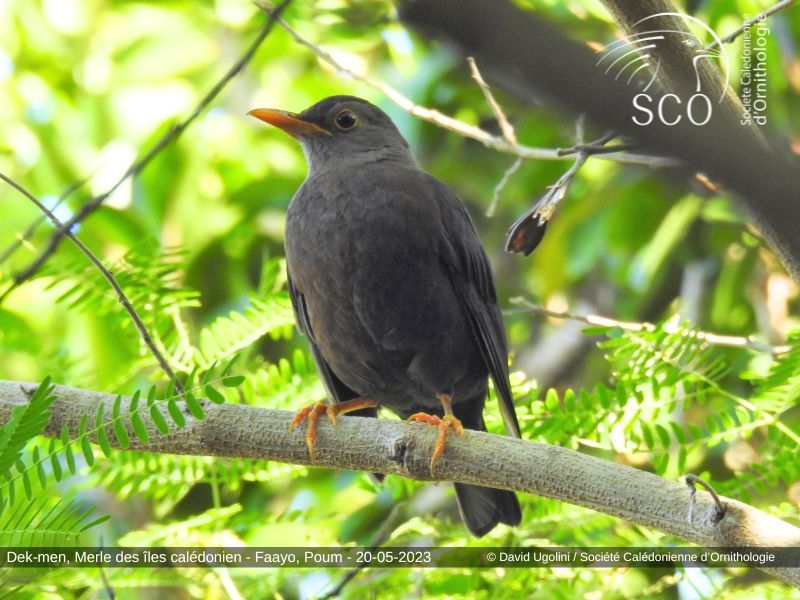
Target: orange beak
288,122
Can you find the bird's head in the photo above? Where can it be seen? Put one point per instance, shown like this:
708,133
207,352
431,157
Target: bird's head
340,131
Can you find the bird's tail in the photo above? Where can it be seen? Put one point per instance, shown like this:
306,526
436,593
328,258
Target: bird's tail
482,508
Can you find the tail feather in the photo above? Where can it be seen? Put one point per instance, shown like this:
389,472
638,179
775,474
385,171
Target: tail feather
482,508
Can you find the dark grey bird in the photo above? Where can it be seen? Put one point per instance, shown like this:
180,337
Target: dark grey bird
391,285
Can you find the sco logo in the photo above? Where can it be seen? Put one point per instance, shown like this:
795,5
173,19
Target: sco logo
629,59
670,110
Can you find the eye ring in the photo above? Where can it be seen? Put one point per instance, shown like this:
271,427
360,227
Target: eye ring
346,119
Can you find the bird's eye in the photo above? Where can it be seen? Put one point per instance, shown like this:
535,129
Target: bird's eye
346,119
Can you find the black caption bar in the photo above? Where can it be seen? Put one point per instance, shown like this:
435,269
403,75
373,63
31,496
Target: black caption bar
441,557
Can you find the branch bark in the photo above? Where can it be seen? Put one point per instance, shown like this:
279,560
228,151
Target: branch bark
677,68
393,447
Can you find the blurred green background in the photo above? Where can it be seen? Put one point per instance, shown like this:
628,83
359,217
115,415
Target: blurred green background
196,239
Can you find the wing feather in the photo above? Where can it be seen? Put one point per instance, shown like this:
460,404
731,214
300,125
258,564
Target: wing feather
337,391
471,274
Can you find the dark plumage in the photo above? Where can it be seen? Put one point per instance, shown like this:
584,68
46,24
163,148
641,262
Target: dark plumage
390,283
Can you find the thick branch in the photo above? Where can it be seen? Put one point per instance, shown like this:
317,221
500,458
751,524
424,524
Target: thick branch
390,446
675,57
519,48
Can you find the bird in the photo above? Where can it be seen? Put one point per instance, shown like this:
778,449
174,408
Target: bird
391,285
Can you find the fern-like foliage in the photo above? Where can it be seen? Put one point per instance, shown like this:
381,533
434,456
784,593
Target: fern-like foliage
34,520
45,521
29,464
150,275
193,531
665,356
780,389
267,313
287,384
165,479
26,422
229,335
660,374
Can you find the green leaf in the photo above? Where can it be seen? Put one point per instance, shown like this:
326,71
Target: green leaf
189,383
213,395
26,422
55,464
86,450
26,481
67,445
134,404
233,380
176,413
102,441
37,460
86,447
194,406
139,428
122,435
158,420
663,434
95,523
228,335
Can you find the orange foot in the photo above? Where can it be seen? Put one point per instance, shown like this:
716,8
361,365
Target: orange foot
313,412
449,421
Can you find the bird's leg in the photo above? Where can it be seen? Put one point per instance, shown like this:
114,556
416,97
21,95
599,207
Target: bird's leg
449,421
313,412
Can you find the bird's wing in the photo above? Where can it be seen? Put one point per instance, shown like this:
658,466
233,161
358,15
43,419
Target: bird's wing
337,391
471,274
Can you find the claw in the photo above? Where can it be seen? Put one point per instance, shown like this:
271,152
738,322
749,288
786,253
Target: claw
312,413
449,421
422,417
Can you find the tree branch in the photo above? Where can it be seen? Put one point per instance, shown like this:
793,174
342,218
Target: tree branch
394,447
716,339
139,164
541,62
778,6
678,69
62,229
495,142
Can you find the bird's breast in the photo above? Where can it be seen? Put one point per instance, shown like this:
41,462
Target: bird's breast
368,263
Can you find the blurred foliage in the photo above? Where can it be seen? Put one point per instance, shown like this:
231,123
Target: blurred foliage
196,240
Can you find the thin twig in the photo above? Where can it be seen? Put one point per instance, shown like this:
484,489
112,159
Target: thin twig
691,482
123,299
26,235
750,22
526,233
501,185
505,125
506,128
473,132
112,595
716,339
593,149
137,166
